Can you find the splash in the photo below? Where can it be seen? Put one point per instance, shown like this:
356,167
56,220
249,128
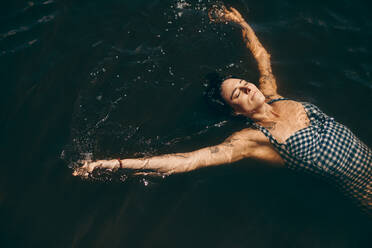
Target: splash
107,121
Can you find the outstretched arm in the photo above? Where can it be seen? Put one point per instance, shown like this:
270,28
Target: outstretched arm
238,146
267,82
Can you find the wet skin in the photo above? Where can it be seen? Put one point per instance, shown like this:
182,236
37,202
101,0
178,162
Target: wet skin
282,119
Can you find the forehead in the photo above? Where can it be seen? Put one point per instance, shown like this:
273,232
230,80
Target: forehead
229,85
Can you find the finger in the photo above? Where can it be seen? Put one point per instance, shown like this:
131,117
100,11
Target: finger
81,173
151,173
92,166
111,169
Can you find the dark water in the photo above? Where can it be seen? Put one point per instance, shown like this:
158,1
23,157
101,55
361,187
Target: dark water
123,78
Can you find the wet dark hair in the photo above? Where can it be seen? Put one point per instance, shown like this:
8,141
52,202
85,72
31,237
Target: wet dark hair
213,82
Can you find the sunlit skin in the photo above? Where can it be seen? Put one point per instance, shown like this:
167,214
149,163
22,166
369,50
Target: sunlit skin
281,118
244,97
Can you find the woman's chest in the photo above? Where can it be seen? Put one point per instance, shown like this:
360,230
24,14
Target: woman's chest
292,118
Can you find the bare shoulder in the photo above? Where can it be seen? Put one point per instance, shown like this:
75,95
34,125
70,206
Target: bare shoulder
252,143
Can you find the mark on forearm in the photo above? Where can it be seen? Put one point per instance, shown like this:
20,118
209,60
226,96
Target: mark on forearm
267,79
229,142
214,149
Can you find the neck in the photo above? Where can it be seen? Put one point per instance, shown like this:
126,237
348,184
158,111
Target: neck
264,113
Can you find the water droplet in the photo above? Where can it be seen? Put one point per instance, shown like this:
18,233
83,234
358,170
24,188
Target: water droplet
63,154
32,42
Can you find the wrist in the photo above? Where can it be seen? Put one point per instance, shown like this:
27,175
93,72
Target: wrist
120,163
243,24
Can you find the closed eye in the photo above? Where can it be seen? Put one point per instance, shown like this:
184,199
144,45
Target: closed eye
245,90
237,94
236,91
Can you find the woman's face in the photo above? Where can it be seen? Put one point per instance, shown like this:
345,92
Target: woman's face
242,96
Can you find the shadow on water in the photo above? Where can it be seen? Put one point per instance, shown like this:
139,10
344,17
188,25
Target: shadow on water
120,78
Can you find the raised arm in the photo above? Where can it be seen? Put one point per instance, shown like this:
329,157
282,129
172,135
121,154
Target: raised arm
240,145
267,82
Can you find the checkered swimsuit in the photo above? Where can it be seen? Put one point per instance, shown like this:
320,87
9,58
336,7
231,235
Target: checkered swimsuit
330,150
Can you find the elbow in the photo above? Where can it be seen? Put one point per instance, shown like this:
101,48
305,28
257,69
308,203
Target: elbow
245,152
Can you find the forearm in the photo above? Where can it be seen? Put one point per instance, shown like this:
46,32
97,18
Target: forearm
184,162
267,80
224,153
255,46
171,163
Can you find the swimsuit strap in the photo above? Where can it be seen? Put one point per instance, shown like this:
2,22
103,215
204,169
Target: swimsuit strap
278,99
281,148
266,133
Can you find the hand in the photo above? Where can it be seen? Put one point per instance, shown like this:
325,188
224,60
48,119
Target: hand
222,14
89,166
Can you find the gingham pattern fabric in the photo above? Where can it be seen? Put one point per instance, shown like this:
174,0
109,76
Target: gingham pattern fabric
329,149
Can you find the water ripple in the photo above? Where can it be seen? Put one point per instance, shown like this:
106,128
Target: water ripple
27,44
14,32
46,18
23,28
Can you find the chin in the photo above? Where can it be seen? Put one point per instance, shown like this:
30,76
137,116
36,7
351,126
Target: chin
259,99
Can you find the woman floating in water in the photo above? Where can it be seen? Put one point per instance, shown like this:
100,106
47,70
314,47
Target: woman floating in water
285,132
